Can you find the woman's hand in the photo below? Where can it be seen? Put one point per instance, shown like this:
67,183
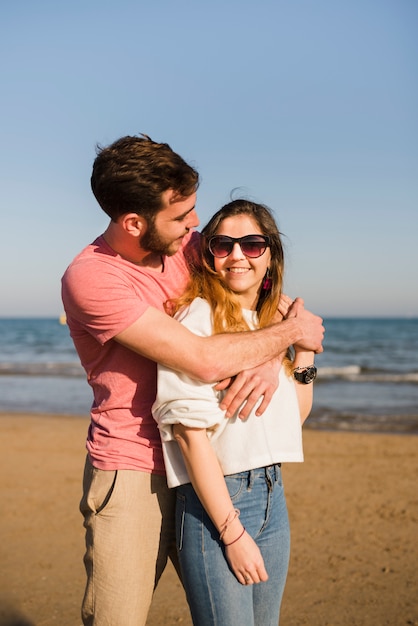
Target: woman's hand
246,561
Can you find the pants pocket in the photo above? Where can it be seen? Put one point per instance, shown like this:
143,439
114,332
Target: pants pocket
98,486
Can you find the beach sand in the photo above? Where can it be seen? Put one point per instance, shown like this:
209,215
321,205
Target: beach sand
353,509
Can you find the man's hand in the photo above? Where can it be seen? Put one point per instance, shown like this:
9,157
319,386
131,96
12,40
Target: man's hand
283,308
312,326
248,387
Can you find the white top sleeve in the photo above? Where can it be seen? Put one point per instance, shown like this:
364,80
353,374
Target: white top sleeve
181,399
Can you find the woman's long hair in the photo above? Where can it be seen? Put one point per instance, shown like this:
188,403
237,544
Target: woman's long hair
205,282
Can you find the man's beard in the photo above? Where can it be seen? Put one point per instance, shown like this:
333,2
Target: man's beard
151,241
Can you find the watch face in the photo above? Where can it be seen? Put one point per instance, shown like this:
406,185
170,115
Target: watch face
310,375
307,376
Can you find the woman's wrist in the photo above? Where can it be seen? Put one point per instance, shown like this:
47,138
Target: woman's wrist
231,527
303,358
304,370
237,538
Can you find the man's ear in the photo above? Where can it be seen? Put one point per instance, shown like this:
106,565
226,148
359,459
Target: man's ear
133,224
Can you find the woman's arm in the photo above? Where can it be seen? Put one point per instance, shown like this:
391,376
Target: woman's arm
304,392
208,481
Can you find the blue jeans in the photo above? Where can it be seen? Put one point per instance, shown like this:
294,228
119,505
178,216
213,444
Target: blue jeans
215,596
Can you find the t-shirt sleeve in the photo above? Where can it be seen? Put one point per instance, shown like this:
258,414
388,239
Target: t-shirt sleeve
181,399
103,302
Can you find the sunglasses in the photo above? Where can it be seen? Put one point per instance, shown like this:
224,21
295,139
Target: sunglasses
252,246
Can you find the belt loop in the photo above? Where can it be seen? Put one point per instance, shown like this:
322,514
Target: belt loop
269,476
250,480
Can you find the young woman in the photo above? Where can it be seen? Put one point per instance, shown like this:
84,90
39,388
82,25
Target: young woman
231,517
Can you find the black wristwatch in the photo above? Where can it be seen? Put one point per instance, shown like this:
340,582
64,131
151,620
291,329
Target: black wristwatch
306,374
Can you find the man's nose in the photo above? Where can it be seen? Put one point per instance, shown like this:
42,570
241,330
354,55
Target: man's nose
193,221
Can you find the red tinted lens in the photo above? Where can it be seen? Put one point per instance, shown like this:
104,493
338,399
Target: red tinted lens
253,246
221,246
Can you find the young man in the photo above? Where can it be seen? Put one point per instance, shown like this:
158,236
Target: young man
114,293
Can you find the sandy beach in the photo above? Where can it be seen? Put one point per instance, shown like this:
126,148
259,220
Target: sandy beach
353,507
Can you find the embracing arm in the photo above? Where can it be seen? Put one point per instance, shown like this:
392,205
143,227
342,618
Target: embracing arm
210,359
260,382
208,481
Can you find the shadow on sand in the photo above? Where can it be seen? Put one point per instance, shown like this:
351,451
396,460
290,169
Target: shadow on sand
12,616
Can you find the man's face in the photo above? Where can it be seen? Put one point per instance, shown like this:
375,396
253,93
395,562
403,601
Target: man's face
171,224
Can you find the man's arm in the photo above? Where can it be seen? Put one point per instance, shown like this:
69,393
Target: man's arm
246,389
210,359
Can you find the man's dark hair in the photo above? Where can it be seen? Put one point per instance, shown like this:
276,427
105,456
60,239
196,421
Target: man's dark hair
131,174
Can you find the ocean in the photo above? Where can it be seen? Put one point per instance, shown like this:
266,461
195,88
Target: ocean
367,376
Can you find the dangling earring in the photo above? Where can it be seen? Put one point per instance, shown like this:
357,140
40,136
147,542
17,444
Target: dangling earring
267,282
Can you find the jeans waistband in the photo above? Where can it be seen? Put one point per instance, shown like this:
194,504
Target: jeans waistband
271,473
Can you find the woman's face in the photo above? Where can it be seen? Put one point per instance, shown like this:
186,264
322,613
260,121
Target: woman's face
242,274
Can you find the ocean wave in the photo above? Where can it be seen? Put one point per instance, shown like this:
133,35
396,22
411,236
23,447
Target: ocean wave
355,373
349,373
66,370
333,372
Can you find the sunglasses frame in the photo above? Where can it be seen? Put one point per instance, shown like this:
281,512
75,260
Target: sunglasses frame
241,241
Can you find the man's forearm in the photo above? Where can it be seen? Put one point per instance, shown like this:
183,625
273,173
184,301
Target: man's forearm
160,338
227,354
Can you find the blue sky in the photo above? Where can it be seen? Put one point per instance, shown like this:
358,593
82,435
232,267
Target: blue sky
309,106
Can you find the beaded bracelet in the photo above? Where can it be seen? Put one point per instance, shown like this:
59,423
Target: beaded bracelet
235,540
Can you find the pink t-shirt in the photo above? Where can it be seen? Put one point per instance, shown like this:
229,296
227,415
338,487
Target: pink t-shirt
103,294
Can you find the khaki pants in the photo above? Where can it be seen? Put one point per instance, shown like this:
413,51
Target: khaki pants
129,522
